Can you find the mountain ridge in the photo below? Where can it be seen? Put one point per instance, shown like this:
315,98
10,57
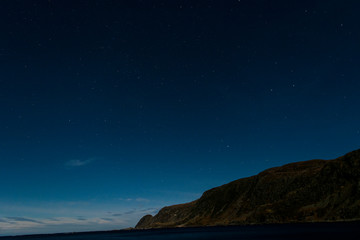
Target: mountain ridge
306,191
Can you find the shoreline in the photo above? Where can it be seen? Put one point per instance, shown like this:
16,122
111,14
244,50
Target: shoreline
174,229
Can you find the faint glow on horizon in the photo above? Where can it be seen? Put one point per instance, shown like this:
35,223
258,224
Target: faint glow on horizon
9,225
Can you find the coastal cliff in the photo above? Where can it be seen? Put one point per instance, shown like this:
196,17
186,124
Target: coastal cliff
309,191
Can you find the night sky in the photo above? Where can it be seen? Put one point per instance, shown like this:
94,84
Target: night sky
111,110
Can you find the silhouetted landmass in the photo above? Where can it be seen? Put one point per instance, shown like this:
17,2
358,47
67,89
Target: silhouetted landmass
309,191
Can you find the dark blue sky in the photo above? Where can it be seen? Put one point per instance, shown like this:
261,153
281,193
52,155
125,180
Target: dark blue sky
113,109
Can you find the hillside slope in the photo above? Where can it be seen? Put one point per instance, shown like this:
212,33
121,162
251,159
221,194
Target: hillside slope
315,190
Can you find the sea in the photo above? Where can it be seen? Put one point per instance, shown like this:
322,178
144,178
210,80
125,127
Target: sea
308,231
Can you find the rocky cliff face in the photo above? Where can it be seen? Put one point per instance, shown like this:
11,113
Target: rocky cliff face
316,190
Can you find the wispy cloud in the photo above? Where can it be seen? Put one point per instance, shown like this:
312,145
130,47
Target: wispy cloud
16,223
73,216
129,212
25,225
79,162
135,199
137,212
22,219
142,200
117,214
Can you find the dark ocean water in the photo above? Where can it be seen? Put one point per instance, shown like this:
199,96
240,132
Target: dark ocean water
316,231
